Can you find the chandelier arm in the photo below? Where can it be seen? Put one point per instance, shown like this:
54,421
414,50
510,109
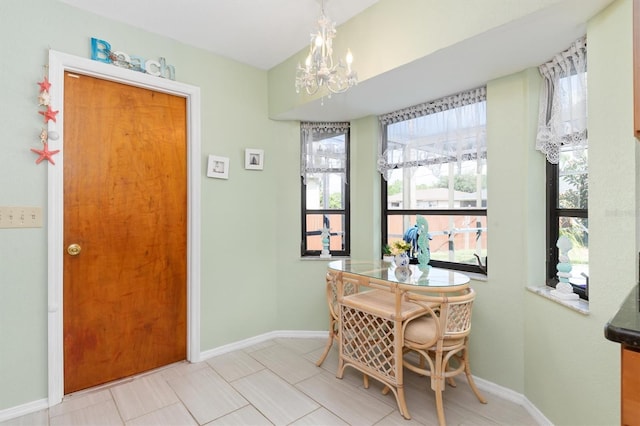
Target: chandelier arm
311,86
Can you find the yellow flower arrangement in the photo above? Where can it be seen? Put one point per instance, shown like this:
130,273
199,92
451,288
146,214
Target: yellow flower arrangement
399,247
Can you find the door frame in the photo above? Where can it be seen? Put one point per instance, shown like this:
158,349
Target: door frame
58,64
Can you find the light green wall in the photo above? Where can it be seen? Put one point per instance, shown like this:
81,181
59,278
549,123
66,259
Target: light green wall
299,292
571,371
299,283
515,184
241,211
365,189
557,358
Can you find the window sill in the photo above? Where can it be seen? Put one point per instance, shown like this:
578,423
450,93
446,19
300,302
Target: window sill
581,306
473,275
328,259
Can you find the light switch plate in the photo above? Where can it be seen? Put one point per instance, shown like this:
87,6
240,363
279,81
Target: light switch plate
20,217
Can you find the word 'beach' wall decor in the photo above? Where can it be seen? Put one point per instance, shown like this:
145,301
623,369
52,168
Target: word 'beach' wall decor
101,51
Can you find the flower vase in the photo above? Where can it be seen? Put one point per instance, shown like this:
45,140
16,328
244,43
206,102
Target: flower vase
401,260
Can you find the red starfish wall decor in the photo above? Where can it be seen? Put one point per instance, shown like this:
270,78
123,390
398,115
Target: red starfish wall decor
49,114
45,153
44,84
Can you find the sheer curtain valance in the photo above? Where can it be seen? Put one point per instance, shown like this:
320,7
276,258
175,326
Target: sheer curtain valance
448,130
563,101
318,154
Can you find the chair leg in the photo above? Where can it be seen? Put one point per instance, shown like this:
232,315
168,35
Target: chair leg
440,408
327,348
437,375
472,383
450,379
402,404
340,371
438,384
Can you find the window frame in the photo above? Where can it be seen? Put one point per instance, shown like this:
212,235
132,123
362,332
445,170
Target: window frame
346,210
386,213
554,134
554,213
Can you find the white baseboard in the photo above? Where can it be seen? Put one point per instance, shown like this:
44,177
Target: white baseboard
300,334
24,409
513,396
485,385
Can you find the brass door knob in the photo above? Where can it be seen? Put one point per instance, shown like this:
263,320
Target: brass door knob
74,249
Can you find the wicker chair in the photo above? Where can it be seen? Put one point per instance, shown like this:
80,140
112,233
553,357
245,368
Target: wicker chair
371,324
440,338
349,287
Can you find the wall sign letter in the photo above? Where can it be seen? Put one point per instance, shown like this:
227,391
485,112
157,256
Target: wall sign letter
101,51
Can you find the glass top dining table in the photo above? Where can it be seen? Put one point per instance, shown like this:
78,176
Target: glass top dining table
373,310
411,275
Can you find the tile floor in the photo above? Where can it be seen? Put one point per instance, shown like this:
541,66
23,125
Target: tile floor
272,383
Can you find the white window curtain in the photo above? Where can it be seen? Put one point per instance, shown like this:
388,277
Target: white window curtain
451,129
563,101
318,153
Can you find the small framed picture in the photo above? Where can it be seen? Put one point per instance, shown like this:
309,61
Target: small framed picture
218,167
253,159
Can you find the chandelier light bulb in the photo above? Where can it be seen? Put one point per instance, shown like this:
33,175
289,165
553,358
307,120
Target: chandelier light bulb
349,60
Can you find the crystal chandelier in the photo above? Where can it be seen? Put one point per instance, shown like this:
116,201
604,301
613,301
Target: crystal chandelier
319,69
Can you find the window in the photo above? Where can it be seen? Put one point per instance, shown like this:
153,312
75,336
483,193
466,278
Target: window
324,170
567,196
433,161
562,136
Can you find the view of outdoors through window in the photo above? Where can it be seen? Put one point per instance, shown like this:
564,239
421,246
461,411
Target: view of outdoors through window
573,192
436,168
324,190
564,141
454,238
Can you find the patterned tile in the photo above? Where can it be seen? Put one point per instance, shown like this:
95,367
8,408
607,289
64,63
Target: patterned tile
272,382
353,405
321,416
235,365
286,363
279,401
143,395
206,395
245,416
80,401
104,413
175,414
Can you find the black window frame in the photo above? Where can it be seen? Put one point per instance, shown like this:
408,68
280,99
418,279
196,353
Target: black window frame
553,210
478,268
554,213
464,267
346,211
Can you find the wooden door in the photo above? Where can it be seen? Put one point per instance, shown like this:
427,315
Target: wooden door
125,207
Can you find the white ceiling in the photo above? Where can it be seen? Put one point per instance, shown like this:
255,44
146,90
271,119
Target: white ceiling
263,33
